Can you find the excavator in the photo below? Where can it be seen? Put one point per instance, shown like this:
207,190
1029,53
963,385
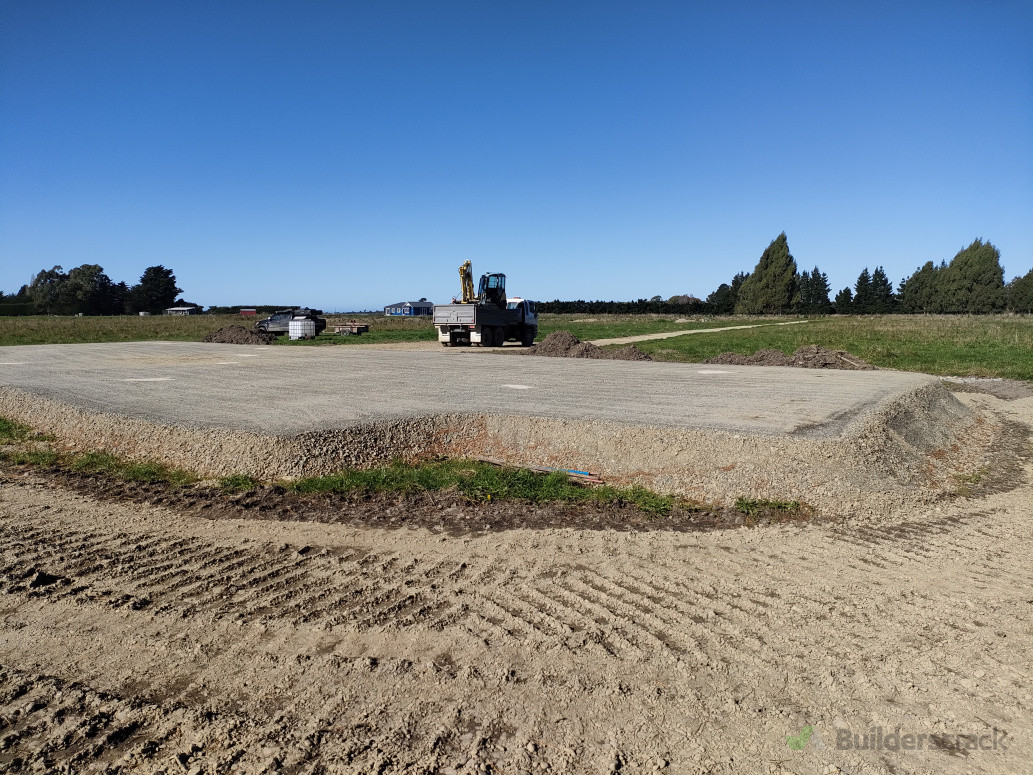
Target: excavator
490,290
486,318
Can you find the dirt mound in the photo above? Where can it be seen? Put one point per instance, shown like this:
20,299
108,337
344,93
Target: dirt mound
627,353
557,344
239,335
811,356
759,358
563,344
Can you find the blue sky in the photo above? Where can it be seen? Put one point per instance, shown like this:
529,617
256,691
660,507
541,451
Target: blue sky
347,155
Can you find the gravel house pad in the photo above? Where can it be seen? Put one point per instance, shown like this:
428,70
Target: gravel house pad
907,451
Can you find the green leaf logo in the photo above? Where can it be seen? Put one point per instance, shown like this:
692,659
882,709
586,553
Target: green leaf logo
799,741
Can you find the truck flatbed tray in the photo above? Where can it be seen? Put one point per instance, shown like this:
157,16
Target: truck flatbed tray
351,329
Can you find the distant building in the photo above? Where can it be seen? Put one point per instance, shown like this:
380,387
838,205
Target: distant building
249,312
410,308
183,311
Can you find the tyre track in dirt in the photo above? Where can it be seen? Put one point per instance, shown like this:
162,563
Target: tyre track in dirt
136,638
48,724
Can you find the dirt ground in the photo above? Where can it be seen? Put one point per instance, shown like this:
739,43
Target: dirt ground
154,638
811,356
446,511
239,335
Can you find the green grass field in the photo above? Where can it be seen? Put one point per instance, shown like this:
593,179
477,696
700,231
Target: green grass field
386,330
586,327
976,346
984,346
73,330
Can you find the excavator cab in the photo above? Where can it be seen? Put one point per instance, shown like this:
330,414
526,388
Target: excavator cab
492,290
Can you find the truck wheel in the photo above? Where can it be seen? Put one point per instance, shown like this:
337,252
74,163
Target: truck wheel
528,338
500,336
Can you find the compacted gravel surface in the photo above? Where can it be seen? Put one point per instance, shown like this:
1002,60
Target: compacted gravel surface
150,638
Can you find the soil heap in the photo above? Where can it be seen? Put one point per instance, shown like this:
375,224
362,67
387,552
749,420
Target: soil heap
239,335
811,356
563,344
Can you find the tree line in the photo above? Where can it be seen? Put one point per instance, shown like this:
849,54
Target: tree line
87,290
971,283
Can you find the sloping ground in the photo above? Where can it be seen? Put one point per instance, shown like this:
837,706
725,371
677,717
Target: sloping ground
138,639
908,450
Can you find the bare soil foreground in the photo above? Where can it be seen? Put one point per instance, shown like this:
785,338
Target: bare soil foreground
147,638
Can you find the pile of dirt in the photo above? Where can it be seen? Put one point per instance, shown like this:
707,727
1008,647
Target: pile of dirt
557,344
759,358
239,335
811,356
563,344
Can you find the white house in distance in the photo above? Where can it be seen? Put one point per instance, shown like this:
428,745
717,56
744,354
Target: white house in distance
182,310
410,308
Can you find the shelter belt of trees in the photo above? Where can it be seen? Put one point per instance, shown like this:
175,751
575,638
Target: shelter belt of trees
87,290
972,283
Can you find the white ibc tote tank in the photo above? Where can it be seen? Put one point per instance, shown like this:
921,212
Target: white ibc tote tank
302,329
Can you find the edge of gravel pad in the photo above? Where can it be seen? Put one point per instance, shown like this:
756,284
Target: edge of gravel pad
906,451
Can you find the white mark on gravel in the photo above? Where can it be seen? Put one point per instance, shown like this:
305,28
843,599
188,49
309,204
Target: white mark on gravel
248,355
225,363
14,363
517,387
712,371
149,379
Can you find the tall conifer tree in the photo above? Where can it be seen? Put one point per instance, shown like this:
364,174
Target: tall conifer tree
772,287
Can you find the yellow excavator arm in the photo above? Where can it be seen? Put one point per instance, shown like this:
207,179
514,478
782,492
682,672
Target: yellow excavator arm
466,280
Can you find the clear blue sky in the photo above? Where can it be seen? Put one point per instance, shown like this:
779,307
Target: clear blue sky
347,155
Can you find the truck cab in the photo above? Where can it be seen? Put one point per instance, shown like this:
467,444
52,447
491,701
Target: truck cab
527,309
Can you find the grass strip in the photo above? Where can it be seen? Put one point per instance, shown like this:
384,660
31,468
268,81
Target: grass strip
238,483
100,464
11,431
483,482
112,467
42,458
475,480
778,511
